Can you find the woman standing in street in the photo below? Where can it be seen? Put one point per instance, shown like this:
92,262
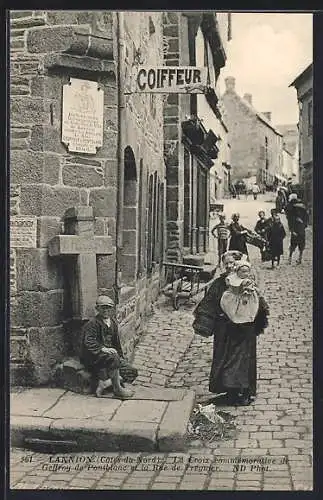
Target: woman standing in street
276,235
238,235
233,368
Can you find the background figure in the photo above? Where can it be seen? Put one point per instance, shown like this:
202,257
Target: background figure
298,221
261,228
233,192
262,224
238,235
276,235
289,212
222,232
281,200
255,190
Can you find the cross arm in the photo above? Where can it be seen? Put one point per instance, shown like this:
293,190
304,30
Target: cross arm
66,244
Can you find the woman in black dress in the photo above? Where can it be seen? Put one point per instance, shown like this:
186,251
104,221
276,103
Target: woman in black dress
276,235
233,368
238,235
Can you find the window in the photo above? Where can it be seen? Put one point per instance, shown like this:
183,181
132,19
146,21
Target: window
201,209
141,234
153,222
129,251
310,117
187,197
150,223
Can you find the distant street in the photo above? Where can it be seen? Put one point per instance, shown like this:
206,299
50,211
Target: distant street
276,428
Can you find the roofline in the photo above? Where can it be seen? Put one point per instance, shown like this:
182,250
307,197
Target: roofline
263,119
288,152
301,75
257,114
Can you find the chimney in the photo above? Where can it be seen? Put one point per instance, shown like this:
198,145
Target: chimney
230,83
267,114
248,98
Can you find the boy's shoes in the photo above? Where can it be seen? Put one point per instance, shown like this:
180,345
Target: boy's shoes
124,393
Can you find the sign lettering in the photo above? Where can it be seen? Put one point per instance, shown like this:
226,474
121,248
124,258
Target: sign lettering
170,79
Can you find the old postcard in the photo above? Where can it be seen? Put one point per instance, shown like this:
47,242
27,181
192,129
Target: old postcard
161,250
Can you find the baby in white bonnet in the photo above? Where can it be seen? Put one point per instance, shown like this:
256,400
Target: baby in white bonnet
240,301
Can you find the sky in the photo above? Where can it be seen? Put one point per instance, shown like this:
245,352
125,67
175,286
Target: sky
266,53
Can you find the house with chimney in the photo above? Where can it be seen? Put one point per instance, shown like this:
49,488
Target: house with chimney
256,144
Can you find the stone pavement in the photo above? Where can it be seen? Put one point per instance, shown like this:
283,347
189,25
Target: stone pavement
154,419
272,446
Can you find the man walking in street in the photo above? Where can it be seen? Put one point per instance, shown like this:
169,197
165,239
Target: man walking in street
255,190
298,224
289,212
101,351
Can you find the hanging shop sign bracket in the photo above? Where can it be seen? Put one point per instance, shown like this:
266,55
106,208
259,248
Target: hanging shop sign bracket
168,80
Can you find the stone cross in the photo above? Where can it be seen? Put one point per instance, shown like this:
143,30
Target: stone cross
78,241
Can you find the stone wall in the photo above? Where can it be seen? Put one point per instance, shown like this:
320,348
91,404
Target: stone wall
143,135
48,47
176,107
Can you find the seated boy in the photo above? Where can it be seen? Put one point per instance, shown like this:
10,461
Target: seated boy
101,351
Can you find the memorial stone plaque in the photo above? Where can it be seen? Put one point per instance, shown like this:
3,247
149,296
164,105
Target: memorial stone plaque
82,116
23,231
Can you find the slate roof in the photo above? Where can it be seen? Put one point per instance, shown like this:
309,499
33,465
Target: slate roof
253,110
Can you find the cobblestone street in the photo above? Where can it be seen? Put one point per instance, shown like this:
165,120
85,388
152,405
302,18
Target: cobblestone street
277,427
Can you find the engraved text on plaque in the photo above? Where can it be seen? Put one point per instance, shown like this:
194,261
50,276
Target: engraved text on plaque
23,232
82,120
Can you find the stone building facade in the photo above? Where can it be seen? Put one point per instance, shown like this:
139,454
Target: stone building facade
290,144
256,144
124,182
136,193
190,142
212,116
304,88
287,170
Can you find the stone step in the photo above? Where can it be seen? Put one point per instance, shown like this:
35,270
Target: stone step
154,420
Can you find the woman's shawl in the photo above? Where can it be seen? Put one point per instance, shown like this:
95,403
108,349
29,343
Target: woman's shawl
209,307
210,304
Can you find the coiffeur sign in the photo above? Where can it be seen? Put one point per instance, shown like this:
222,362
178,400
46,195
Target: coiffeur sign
170,80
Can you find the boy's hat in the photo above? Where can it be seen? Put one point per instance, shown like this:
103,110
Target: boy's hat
104,300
